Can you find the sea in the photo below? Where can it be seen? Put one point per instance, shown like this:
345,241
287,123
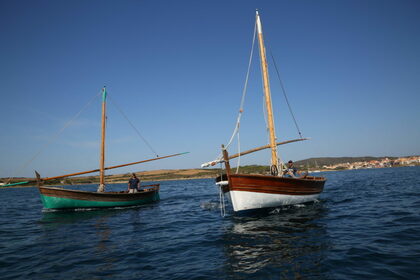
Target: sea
365,225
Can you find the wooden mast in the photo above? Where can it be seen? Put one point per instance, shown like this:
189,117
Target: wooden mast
267,94
101,187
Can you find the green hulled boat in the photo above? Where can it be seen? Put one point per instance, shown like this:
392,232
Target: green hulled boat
61,198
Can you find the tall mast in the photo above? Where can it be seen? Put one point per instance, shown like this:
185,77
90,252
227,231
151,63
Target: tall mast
267,94
101,187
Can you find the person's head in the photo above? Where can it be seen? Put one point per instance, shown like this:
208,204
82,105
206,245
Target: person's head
133,175
290,163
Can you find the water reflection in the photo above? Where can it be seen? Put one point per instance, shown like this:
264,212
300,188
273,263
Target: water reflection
52,219
104,246
288,242
80,236
103,233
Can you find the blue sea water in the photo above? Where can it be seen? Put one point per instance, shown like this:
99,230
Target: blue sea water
366,225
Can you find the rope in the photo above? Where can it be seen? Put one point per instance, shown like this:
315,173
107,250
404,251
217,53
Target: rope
244,88
222,196
238,120
280,161
135,129
222,202
285,95
239,154
53,138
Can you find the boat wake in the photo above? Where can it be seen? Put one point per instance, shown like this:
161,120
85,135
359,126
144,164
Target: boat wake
89,209
287,208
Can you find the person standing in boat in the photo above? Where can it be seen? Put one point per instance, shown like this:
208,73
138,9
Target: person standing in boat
291,170
133,184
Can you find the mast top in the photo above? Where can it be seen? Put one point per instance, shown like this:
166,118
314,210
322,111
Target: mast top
104,93
259,26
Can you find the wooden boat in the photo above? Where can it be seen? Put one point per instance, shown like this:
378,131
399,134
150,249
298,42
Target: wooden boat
248,192
60,198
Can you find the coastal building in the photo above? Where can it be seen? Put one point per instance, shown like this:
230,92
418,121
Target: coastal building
380,163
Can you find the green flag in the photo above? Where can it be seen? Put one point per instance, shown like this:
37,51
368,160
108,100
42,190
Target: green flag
104,94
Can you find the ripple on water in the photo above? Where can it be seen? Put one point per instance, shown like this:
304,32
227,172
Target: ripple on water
366,224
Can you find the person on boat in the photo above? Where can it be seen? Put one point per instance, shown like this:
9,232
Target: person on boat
291,170
133,184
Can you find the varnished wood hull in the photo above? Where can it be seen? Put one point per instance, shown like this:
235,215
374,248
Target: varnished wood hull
59,198
249,192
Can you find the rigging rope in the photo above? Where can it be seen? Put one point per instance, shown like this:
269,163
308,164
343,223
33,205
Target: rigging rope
236,130
222,196
241,107
265,112
280,161
238,120
239,154
138,132
53,138
222,202
285,95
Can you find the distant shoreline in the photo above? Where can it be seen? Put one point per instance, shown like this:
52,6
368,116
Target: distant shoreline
212,174
110,183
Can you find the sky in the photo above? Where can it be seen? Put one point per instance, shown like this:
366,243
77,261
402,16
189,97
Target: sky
176,69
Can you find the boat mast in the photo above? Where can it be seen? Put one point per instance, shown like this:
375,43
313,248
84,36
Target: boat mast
267,94
101,187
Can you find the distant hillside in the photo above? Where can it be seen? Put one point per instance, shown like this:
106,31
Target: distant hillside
155,175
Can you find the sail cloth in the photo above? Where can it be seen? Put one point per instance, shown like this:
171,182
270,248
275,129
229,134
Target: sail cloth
219,160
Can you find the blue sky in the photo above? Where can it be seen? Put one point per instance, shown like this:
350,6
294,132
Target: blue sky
177,68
